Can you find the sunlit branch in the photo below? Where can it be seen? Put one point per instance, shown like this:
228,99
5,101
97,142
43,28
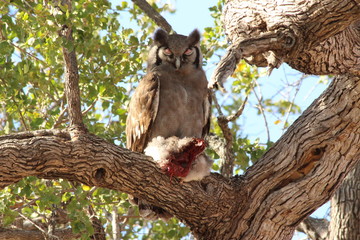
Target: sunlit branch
239,111
153,14
72,90
225,151
34,223
314,228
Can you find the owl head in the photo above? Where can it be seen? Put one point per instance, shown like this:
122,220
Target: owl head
175,51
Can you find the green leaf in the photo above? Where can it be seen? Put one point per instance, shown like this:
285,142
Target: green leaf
26,68
25,16
38,7
9,217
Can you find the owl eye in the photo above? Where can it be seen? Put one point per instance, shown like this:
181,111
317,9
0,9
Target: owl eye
188,51
167,52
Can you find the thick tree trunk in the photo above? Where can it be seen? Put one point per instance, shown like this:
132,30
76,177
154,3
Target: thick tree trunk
345,209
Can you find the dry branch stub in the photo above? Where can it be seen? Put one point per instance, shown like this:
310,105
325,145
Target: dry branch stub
324,34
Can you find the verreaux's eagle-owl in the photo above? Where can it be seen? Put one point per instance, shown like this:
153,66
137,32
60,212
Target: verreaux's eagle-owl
171,103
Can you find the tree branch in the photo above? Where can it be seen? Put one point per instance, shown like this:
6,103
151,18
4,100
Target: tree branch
345,204
226,154
225,148
17,234
153,14
277,41
297,175
261,108
72,90
314,228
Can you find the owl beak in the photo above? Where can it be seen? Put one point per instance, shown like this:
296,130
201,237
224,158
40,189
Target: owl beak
177,62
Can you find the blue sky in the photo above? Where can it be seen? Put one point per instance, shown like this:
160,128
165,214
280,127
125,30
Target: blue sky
190,14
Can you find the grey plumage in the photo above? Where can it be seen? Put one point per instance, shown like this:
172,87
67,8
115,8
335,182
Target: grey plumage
171,100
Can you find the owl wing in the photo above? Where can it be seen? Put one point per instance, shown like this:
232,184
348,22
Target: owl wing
143,109
207,115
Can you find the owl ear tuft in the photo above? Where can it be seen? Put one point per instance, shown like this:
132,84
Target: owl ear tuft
160,37
194,37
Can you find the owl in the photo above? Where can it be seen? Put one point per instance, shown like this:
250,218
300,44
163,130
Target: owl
169,113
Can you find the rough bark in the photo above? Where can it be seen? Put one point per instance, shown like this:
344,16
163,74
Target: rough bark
20,234
314,228
72,90
321,30
314,37
224,147
345,208
298,174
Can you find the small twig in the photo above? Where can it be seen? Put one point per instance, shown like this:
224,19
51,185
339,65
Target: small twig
22,119
153,14
90,107
226,153
114,223
61,119
225,149
18,209
18,6
27,53
259,99
37,226
129,216
239,111
124,219
22,50
216,103
292,102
